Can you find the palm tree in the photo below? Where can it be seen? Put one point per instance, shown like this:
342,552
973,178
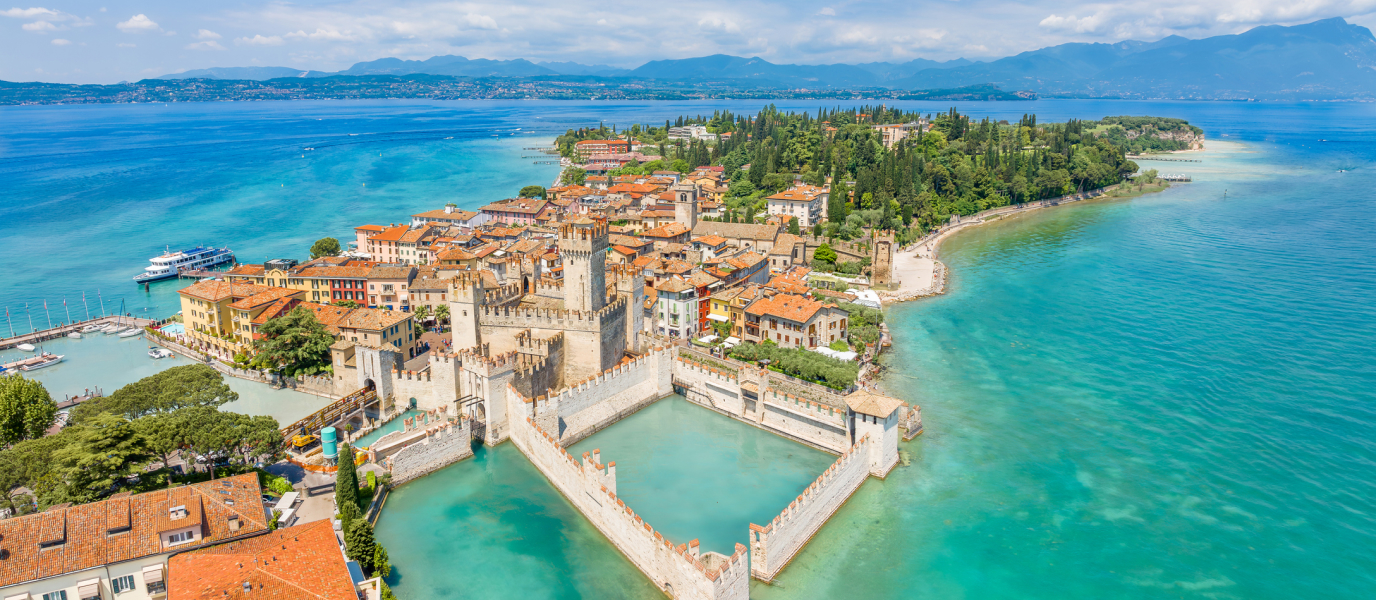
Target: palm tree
422,313
442,314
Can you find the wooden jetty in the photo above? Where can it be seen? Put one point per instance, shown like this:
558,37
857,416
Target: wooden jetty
62,330
1164,159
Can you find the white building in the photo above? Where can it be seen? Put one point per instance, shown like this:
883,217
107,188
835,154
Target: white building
676,310
806,202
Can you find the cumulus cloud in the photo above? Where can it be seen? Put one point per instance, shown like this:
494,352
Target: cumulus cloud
30,13
39,27
206,45
206,34
121,45
323,35
1088,24
259,40
137,24
61,42
828,11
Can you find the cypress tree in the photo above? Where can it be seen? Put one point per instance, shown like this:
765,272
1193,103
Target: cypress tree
346,480
359,544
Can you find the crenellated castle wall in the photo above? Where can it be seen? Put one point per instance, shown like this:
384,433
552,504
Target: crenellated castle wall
680,570
588,406
774,545
443,444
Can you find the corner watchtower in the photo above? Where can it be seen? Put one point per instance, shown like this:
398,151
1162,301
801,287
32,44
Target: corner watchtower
465,300
583,250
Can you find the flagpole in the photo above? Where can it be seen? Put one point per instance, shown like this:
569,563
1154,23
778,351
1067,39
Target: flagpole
50,316
102,302
10,321
88,306
30,313
69,311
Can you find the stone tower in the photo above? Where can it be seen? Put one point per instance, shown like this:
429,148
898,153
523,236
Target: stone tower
374,366
465,300
875,416
685,203
583,250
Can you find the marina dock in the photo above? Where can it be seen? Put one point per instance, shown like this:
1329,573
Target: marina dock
44,335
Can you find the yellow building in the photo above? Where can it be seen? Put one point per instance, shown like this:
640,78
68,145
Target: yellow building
207,314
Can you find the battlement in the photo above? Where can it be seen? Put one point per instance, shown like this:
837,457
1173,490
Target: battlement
549,285
549,318
584,230
403,375
507,292
528,344
796,404
467,286
721,374
477,358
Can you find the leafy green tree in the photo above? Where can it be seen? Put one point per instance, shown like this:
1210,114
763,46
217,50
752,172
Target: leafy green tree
824,253
26,409
1148,176
382,567
681,166
816,230
442,314
296,342
346,479
166,391
359,543
102,451
532,191
325,247
346,304
421,313
162,435
793,226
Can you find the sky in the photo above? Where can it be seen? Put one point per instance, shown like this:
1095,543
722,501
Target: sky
106,42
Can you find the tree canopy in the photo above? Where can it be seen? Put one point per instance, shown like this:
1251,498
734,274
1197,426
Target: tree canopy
166,391
26,409
296,343
532,191
325,247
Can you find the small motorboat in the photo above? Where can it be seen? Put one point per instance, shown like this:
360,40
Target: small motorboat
26,347
112,328
74,335
46,360
156,353
91,328
133,332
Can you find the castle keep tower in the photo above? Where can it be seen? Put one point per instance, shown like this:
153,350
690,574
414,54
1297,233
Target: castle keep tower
583,250
465,300
685,204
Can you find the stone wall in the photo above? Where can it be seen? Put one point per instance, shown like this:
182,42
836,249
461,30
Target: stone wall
444,444
816,424
774,545
680,570
591,405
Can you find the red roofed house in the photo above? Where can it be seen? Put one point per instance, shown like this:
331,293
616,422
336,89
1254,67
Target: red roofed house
363,232
302,562
794,321
673,233
807,203
466,220
386,245
519,211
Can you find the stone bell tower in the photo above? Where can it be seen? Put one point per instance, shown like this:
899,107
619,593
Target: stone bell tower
583,251
685,204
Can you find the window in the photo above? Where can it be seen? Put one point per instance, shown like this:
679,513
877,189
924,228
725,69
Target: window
58,595
122,584
178,538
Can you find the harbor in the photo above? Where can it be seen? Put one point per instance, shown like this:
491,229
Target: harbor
63,331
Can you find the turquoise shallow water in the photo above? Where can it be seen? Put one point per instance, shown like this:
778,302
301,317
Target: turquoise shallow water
396,424
1163,397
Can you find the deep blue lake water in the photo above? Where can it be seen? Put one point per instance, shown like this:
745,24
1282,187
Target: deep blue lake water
1169,396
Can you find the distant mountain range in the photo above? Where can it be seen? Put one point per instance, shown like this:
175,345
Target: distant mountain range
1321,60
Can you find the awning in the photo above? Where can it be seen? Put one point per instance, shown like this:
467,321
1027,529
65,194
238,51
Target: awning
717,318
152,574
708,339
88,589
733,340
288,499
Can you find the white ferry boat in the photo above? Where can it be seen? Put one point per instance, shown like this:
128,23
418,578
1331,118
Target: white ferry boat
171,263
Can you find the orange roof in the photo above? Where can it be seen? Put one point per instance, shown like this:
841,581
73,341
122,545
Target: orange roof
666,231
799,309
439,214
710,240
245,270
127,527
265,297
372,319
287,564
644,261
215,291
625,250
391,234
370,228
516,205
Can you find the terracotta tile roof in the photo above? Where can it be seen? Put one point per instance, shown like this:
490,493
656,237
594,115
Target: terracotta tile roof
372,319
869,403
215,291
617,239
799,309
352,271
329,315
674,285
745,260
455,254
738,231
712,241
370,228
391,234
302,562
246,270
390,271
272,312
644,261
701,279
667,231
525,206
414,235
126,527
631,188
439,214
265,297
624,250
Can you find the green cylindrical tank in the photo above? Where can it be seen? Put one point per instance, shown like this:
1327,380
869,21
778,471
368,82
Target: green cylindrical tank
329,443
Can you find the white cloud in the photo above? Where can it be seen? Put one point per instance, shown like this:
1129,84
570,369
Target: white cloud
29,13
60,42
719,22
828,11
1088,24
39,26
206,45
323,35
125,46
138,23
206,34
259,40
